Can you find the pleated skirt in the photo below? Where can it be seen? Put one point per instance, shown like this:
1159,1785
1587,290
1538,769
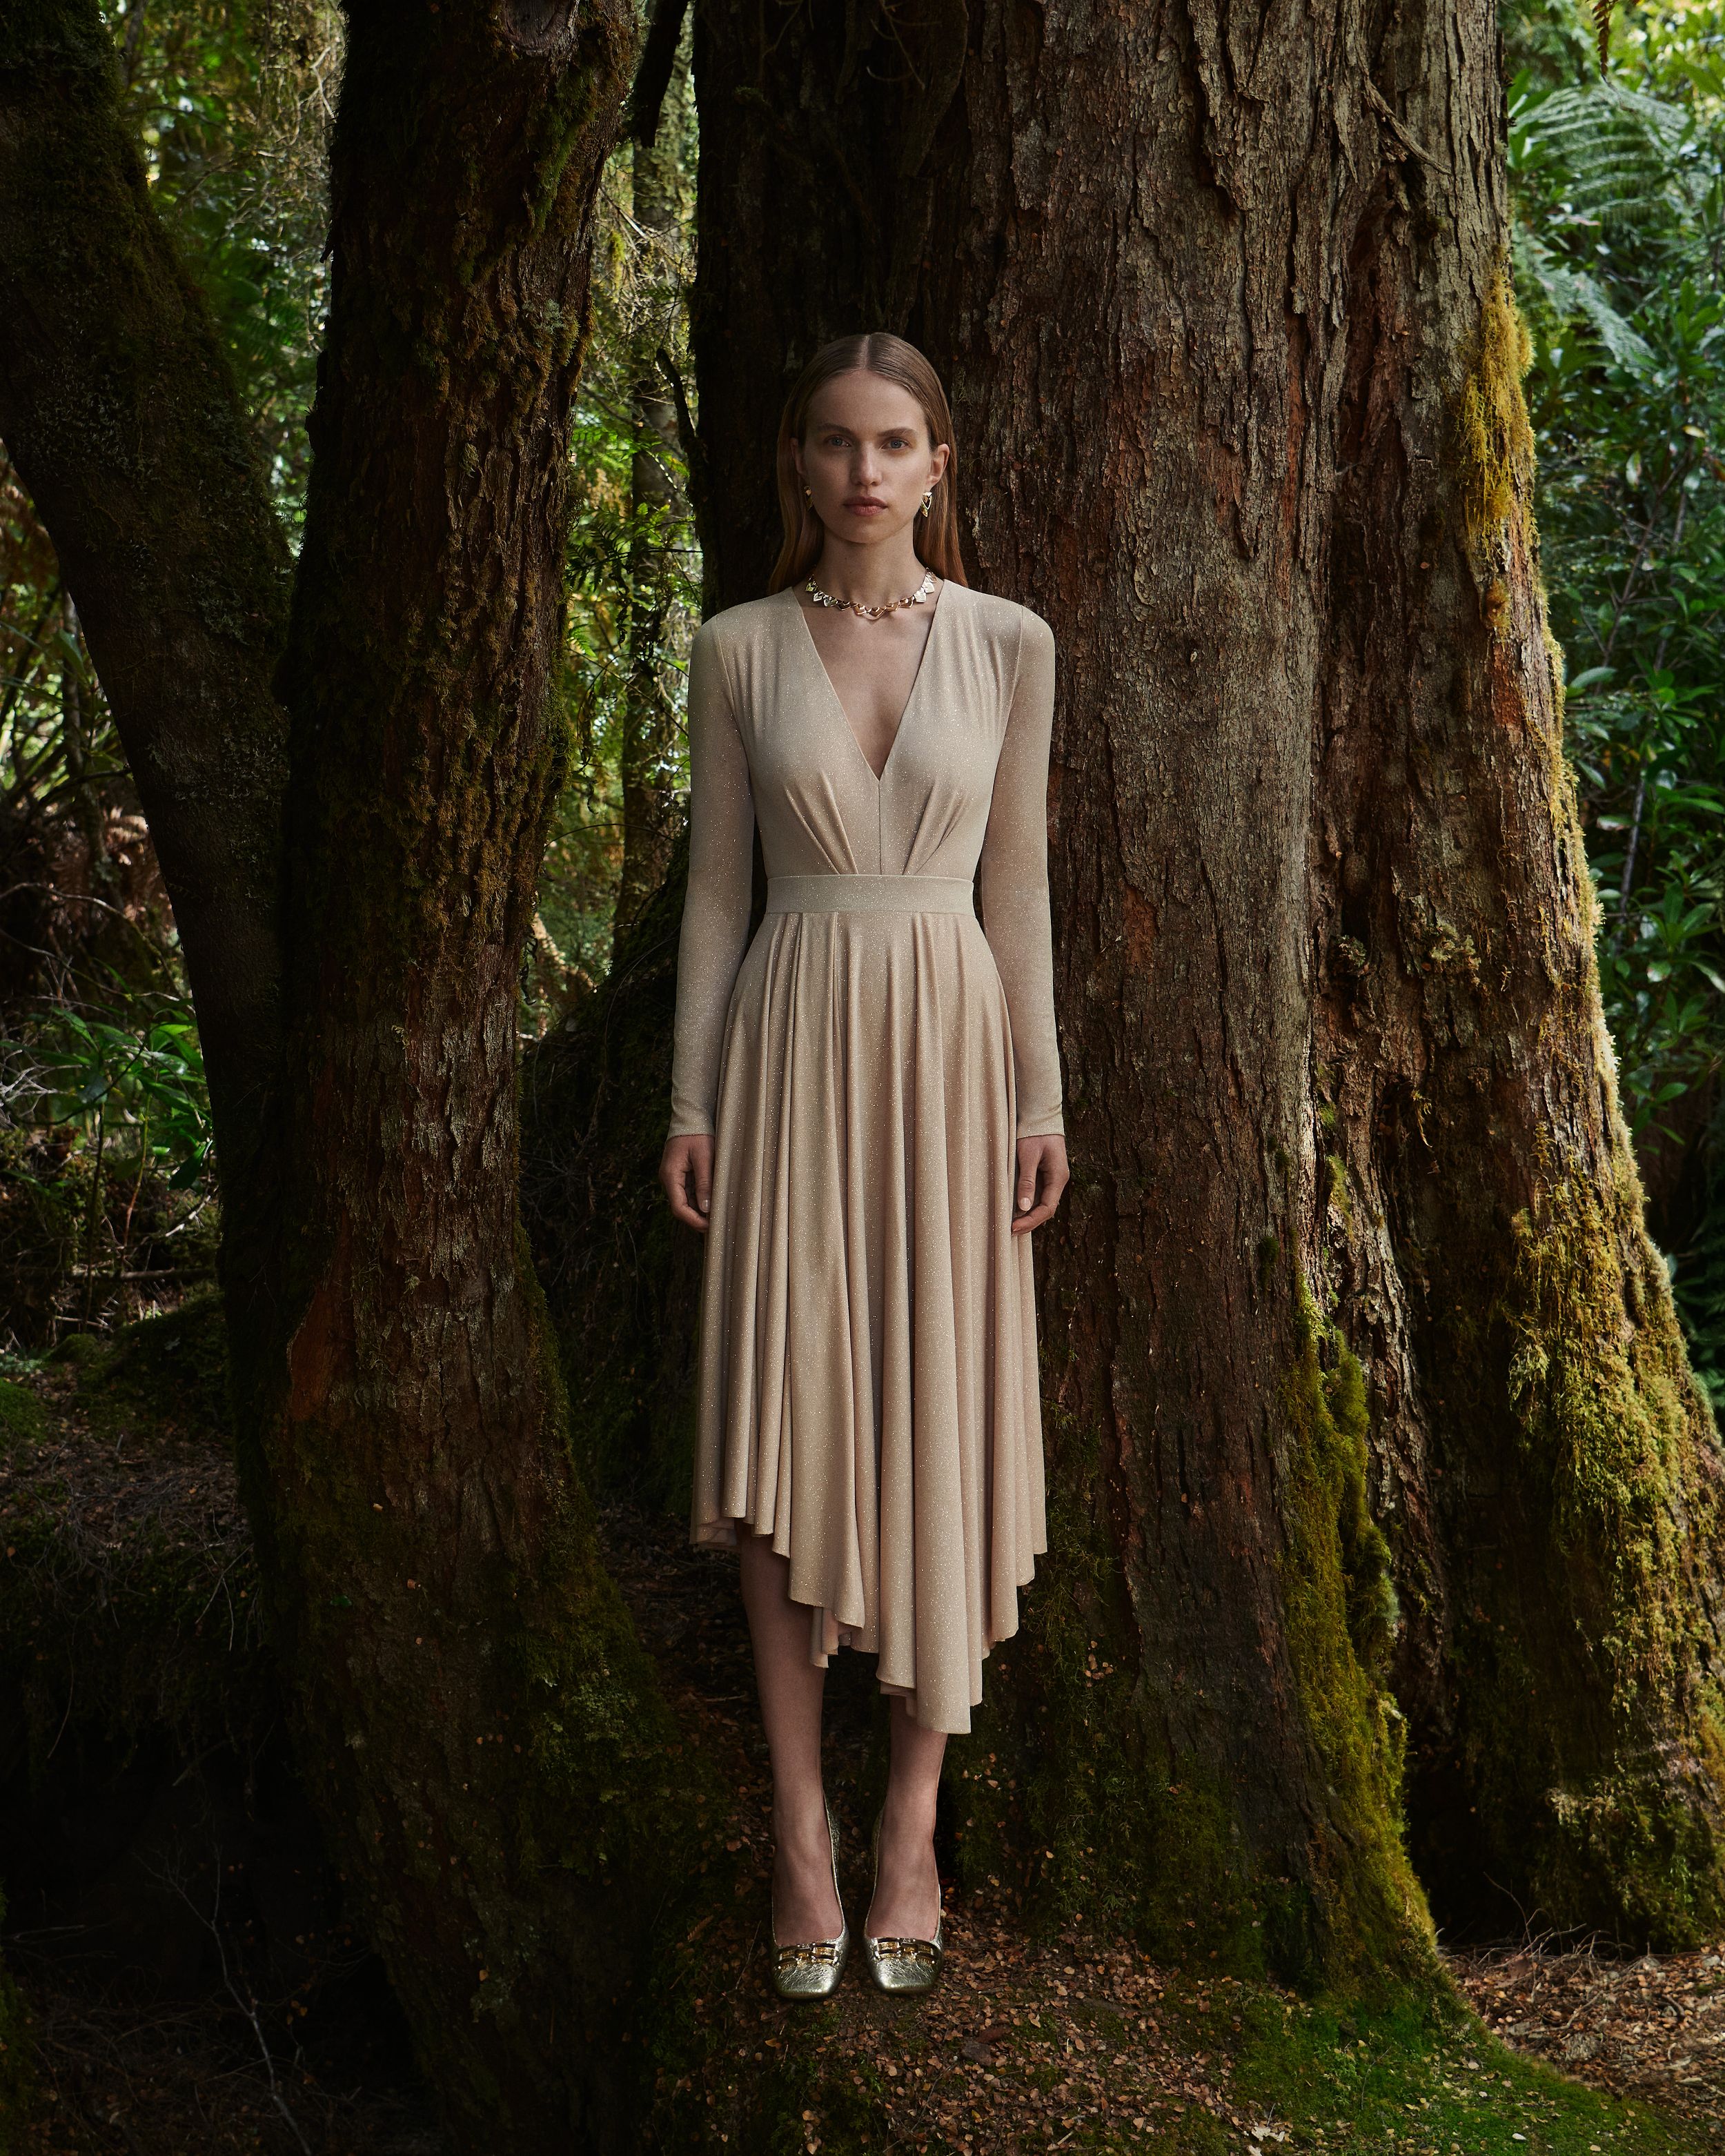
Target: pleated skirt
868,1392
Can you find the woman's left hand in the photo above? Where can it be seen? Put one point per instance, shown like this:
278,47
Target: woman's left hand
1042,1177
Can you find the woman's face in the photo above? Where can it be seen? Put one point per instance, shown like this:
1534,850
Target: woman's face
865,457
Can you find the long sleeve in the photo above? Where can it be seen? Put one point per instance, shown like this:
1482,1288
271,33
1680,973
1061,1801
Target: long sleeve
1014,885
715,913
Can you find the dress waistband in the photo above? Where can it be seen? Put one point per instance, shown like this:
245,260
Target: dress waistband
870,894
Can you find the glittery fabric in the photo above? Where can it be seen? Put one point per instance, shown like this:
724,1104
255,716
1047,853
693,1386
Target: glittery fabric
867,1387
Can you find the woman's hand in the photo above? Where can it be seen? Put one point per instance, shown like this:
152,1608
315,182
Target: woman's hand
686,1167
1042,1177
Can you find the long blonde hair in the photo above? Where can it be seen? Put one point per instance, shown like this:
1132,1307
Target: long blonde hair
875,351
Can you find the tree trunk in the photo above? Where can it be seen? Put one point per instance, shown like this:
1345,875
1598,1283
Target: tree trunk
621,1276
483,1736
118,408
815,209
1354,1221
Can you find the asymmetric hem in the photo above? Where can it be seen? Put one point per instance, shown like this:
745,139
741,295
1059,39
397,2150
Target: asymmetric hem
867,1390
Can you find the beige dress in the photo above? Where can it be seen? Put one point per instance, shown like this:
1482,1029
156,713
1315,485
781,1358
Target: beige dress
867,1391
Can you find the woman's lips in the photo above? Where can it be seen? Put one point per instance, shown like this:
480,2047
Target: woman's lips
864,508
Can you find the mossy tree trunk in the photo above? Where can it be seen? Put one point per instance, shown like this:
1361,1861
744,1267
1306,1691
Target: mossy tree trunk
1352,1293
482,1735
479,1723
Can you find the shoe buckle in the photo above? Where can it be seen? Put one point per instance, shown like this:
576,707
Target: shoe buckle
809,1954
918,1950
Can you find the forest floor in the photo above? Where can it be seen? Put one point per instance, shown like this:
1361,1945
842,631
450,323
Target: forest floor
1066,2041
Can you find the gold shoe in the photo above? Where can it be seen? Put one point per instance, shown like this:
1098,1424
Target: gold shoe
812,1969
901,1965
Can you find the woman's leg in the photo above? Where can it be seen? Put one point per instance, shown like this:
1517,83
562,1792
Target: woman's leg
791,1686
907,1901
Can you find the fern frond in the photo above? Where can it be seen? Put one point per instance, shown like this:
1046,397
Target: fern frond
1572,295
1617,156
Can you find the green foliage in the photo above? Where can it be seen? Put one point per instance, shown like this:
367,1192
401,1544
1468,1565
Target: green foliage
107,1178
633,563
133,1074
1699,1283
1620,195
231,100
79,888
1619,236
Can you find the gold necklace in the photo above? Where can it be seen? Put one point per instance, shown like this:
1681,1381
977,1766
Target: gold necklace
873,612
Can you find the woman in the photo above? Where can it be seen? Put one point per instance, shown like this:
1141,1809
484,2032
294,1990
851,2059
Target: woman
856,1102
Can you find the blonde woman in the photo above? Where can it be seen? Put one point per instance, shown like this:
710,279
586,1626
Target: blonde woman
866,1123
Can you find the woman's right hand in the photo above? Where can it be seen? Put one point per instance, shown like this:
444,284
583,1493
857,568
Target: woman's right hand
687,1171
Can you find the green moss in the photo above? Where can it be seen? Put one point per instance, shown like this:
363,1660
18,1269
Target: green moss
1495,435
1605,1402
171,1371
1419,2072
22,1421
1061,1791
1340,1617
1064,1792
854,2108
1594,1709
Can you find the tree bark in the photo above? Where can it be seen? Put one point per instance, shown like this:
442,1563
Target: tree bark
118,408
1353,1220
815,207
483,1733
620,1276
483,1736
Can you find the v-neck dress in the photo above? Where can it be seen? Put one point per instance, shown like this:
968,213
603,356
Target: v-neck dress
867,1388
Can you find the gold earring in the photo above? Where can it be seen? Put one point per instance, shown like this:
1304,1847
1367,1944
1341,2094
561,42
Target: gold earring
809,494
927,499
